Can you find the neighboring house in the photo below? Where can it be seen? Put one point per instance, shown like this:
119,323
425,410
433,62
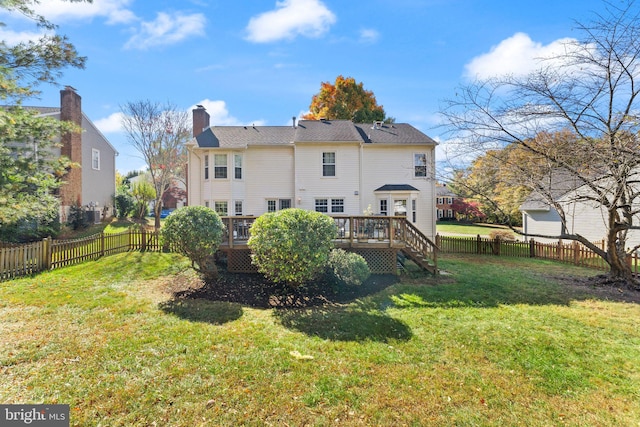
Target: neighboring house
586,218
93,183
337,167
444,202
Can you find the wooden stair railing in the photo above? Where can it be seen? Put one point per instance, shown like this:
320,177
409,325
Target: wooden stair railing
419,248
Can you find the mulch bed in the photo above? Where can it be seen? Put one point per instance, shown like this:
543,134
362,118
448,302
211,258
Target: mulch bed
255,290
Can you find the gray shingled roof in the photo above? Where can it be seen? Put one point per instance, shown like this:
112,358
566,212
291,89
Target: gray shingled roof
311,131
444,191
396,187
560,182
241,136
393,133
327,131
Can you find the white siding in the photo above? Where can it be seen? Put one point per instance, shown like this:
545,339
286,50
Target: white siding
394,165
269,172
543,223
97,185
311,185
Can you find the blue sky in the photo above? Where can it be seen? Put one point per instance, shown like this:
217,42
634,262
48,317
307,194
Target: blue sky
260,61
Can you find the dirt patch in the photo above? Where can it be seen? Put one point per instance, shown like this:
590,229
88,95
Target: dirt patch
254,290
602,286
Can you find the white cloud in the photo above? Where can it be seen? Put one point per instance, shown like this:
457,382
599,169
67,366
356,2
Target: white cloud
369,35
115,11
518,55
167,29
12,38
291,18
220,114
110,124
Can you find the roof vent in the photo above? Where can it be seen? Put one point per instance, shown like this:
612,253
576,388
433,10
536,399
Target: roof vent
377,124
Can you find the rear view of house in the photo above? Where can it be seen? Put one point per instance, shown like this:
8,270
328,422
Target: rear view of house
331,166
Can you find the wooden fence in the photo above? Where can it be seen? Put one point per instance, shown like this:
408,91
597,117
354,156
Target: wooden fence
568,252
31,258
26,259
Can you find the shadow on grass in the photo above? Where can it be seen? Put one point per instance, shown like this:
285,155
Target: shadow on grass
202,310
344,324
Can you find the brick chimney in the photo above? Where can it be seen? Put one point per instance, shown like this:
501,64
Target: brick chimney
200,120
71,111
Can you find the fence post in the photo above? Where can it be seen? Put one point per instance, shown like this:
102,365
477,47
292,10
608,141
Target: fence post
438,240
143,244
102,244
532,248
478,245
575,252
47,253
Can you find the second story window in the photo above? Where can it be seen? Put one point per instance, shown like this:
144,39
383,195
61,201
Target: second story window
237,166
206,166
220,166
420,165
329,164
272,205
95,159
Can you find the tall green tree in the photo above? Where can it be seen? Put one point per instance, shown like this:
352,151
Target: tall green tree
28,177
345,99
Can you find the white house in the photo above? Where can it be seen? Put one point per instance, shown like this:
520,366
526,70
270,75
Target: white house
583,217
336,166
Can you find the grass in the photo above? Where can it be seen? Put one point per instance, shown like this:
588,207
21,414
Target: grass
468,229
495,341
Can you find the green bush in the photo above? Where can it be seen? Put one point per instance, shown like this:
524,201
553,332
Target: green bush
77,217
347,268
195,232
124,204
292,246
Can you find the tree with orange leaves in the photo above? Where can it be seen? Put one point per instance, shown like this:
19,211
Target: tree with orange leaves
345,100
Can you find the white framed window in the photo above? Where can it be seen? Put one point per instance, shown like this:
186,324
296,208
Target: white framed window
284,203
238,208
329,164
220,166
237,166
384,207
272,205
449,213
440,213
337,205
413,210
449,200
206,204
221,208
322,205
95,159
400,207
206,167
420,165
439,201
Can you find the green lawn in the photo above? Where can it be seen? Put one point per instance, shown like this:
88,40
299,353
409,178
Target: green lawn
470,229
494,341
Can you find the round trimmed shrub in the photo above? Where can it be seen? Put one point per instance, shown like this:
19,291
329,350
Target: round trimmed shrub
195,232
292,246
347,268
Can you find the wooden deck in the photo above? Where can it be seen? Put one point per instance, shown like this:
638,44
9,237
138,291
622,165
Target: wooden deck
378,239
